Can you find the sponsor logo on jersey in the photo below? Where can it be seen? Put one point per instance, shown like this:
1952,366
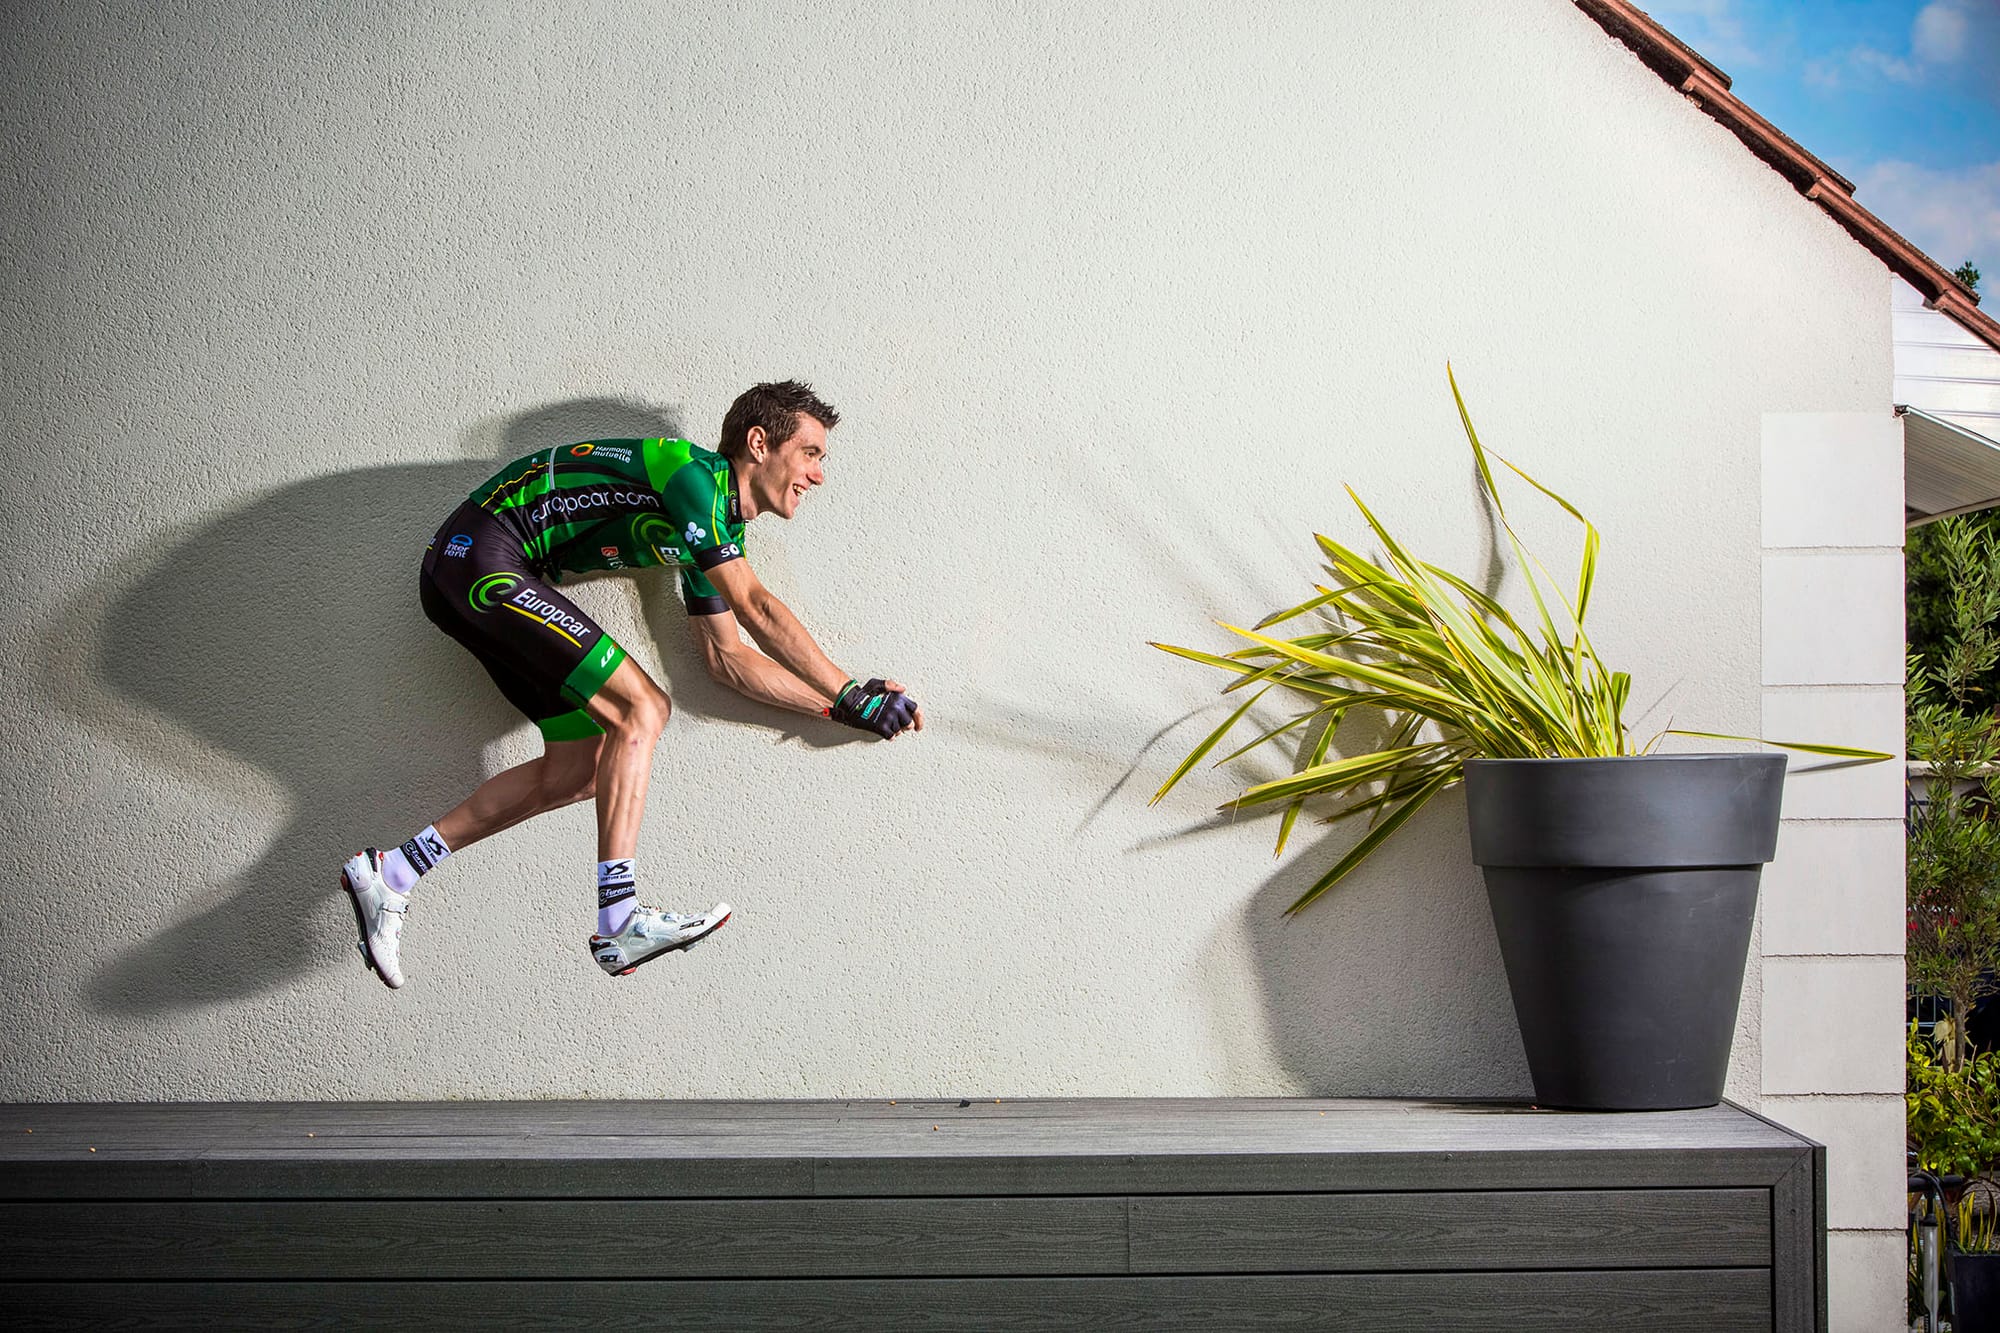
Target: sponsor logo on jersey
658,534
566,504
490,589
551,616
623,455
695,533
610,554
729,552
458,546
581,450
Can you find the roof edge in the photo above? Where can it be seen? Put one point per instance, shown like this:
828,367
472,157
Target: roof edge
1708,88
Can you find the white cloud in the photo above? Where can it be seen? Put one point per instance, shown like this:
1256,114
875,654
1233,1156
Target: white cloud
1951,215
1953,39
1824,74
1888,66
1947,30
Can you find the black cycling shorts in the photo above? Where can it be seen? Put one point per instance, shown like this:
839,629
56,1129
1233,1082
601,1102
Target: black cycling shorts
544,653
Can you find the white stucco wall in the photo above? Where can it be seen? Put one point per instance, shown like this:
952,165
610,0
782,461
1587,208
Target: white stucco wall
1113,299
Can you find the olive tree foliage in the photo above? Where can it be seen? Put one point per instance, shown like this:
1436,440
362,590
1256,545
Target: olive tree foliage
1954,839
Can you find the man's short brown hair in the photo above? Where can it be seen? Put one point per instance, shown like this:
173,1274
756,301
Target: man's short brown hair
775,407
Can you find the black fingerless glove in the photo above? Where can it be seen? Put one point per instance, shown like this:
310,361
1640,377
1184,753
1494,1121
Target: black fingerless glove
873,707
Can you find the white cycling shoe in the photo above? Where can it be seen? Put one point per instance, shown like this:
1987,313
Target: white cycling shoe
650,934
378,912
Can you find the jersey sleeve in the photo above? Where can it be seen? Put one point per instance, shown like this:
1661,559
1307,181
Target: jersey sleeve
700,595
695,505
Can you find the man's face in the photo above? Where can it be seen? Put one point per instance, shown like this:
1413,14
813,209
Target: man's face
792,468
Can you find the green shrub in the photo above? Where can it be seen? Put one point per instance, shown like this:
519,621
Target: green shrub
1954,1114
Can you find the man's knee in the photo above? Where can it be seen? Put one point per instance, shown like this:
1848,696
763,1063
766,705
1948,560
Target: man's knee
644,716
630,707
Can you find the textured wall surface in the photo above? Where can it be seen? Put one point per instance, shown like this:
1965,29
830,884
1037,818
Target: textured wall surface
1114,300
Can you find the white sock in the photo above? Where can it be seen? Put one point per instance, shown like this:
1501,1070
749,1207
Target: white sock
403,866
617,892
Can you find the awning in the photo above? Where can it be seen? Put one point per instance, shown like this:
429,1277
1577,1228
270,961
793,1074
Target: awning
1947,468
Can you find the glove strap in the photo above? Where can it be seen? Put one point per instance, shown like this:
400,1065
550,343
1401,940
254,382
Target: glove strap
828,711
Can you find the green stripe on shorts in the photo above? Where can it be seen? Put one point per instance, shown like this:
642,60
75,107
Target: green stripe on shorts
576,726
595,668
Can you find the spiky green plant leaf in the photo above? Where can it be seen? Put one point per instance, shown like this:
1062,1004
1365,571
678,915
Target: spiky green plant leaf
1450,672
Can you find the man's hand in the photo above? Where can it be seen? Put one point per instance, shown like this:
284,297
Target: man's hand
879,706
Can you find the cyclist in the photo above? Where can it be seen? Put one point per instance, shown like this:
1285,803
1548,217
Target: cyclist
489,581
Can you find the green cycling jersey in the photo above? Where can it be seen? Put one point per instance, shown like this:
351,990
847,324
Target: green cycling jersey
622,504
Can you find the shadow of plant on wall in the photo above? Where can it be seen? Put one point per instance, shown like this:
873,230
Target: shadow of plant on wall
1377,992
278,651
1381,991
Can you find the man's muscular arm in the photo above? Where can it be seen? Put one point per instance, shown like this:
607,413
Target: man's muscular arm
776,630
742,668
802,677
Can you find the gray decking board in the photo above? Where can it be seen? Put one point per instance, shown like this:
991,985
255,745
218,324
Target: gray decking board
507,1176
837,1127
1497,1230
549,1238
1054,1235
1798,1252
1721,1301
690,1149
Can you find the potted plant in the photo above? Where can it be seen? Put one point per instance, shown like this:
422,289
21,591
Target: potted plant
1973,1262
1622,882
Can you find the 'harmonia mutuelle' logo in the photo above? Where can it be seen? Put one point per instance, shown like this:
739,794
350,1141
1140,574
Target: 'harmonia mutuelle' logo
491,589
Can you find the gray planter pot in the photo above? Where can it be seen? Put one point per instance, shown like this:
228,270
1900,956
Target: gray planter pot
1622,892
1975,1292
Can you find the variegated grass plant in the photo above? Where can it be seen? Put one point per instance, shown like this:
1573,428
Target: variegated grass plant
1450,672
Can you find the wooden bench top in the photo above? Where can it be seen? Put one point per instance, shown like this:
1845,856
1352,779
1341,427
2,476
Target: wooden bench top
792,1148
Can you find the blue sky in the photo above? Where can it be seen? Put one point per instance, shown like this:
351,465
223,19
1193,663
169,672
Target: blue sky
1900,96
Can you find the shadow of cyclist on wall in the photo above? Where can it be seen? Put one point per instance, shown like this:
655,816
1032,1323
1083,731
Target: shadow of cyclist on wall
278,650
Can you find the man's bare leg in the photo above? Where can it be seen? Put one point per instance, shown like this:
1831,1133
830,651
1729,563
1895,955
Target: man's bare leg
615,767
633,711
565,773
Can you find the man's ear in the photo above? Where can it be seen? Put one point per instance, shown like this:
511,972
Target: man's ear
755,443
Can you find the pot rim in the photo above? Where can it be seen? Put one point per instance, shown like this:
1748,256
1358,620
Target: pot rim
1704,755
